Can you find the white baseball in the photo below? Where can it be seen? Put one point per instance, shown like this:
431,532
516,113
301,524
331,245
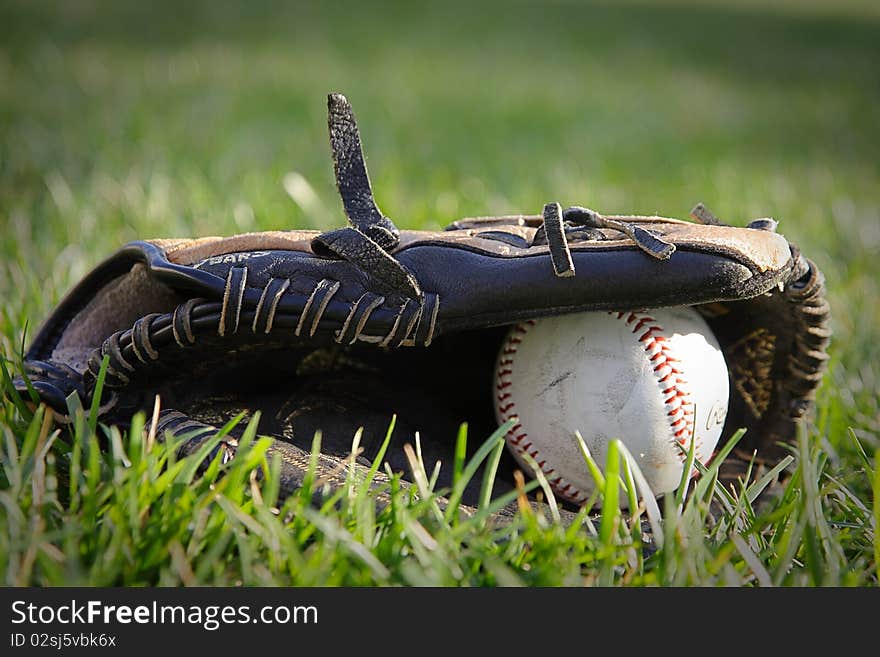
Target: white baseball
655,380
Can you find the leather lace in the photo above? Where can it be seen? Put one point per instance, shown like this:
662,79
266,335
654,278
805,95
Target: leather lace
370,238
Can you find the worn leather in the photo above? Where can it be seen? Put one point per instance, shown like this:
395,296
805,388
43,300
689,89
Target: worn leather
345,328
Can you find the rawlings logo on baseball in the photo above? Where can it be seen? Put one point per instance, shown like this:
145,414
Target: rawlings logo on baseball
656,381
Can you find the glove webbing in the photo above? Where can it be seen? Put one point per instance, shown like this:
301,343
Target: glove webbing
807,360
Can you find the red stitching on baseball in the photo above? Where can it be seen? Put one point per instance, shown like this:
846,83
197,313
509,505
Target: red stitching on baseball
679,407
674,387
519,441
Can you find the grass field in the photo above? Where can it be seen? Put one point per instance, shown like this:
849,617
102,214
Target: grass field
122,121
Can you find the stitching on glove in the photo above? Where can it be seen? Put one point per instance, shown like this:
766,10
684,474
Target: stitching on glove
233,294
406,308
362,311
113,349
181,323
274,289
323,292
416,316
116,357
424,332
433,320
415,323
140,338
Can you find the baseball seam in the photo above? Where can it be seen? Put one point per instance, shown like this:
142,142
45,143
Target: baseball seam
517,437
675,388
677,398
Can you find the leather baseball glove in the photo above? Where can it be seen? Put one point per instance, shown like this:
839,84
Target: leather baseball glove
338,330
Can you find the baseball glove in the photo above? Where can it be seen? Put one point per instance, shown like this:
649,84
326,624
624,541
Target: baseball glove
338,330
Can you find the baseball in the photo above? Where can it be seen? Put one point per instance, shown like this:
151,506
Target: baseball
655,380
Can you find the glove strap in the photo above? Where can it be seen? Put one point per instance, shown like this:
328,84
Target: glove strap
650,244
351,175
554,230
369,256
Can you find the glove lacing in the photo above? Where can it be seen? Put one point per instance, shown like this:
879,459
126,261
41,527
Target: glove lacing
372,236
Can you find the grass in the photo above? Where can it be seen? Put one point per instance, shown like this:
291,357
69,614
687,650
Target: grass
135,515
119,122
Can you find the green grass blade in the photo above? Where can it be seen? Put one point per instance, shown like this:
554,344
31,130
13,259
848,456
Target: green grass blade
652,509
595,470
758,487
493,507
686,471
490,473
708,472
541,478
9,389
98,392
875,488
377,462
338,534
611,499
473,465
460,452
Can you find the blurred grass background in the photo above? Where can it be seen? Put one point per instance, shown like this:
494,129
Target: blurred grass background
125,120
